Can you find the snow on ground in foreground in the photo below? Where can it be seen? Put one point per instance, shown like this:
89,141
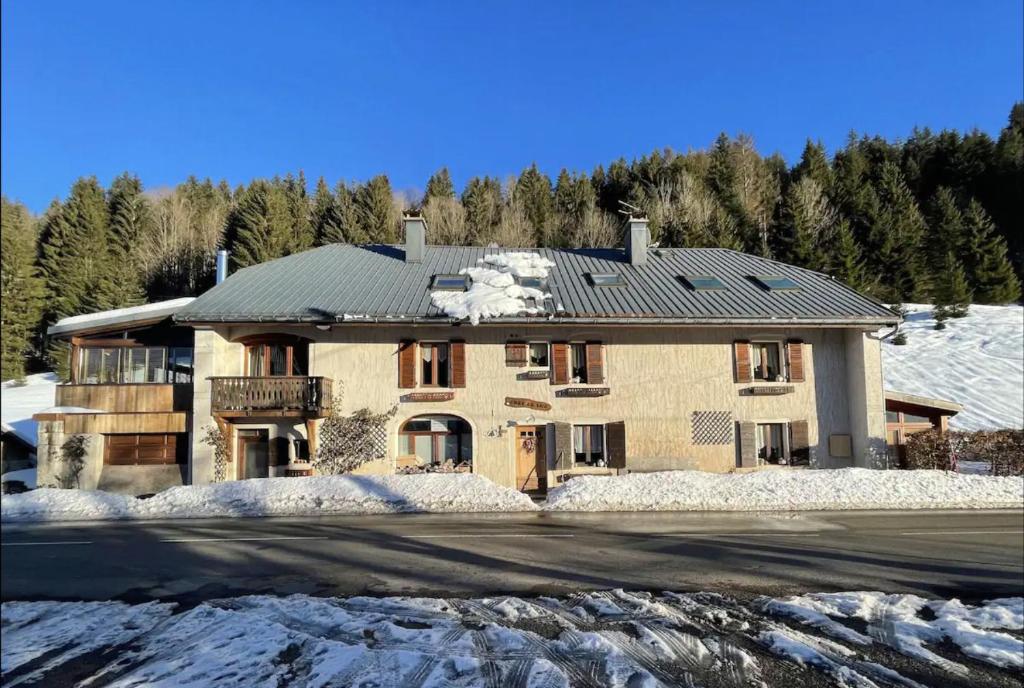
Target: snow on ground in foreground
977,361
780,490
493,291
319,495
610,638
19,401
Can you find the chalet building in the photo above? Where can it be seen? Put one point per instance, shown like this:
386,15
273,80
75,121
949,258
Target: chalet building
525,366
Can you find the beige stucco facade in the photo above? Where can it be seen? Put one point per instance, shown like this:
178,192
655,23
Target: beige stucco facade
657,378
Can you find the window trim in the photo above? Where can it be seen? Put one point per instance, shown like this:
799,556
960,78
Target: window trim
787,442
434,368
604,443
585,380
289,342
547,355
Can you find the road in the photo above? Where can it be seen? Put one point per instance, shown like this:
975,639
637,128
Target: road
971,555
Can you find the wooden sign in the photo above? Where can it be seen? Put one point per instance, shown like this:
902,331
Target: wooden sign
534,375
768,391
584,392
516,402
429,396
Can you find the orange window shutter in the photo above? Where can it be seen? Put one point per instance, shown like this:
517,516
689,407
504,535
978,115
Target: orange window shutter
515,354
743,371
559,363
407,364
800,443
795,356
458,353
595,364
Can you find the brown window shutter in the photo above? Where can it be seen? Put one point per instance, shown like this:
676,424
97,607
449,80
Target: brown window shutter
564,458
795,358
279,451
615,436
748,444
799,443
595,364
458,355
515,354
407,364
743,371
559,363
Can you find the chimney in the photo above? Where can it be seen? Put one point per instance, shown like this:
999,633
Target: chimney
415,238
638,237
222,265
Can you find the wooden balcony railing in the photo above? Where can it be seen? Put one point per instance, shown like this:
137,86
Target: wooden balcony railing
249,395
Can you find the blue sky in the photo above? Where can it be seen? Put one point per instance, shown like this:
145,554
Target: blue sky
239,90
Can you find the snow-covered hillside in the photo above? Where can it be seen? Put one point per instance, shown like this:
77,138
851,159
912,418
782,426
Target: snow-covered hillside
977,361
19,401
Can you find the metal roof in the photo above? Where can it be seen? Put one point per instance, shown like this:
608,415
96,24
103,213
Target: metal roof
349,283
951,408
134,315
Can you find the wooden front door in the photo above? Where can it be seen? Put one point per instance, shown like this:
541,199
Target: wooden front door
531,460
253,454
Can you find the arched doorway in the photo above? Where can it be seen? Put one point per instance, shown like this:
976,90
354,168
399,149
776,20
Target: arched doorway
435,442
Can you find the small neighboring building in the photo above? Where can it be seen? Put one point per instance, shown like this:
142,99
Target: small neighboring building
16,453
906,414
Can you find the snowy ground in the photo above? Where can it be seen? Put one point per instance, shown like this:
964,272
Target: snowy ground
319,495
977,361
19,401
780,490
848,488
612,638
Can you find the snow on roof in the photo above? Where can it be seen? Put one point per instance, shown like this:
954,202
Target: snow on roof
22,399
147,311
494,290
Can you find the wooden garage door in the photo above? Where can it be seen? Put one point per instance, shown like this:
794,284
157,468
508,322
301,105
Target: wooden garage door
149,449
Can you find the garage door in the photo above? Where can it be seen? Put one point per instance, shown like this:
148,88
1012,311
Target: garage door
149,449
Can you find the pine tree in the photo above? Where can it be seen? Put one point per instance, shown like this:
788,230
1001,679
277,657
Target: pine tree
324,217
951,292
846,261
21,288
352,231
260,225
130,222
533,194
897,238
814,164
989,270
439,186
483,201
377,214
301,234
808,221
946,228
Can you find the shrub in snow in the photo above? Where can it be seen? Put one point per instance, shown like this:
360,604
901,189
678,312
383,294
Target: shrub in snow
347,442
900,338
72,458
1002,449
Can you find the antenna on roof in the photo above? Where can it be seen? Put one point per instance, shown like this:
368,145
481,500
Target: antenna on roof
630,209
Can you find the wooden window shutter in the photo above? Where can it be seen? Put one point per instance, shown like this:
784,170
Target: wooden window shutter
515,354
279,451
799,443
615,436
458,355
564,458
743,371
407,364
595,364
559,363
795,359
748,444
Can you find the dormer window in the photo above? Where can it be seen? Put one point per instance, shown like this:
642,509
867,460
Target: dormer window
606,279
775,283
449,283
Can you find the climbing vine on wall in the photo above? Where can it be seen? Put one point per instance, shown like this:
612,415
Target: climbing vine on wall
216,439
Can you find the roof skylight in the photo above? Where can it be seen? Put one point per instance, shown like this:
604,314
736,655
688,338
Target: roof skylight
606,279
450,283
776,282
531,282
702,282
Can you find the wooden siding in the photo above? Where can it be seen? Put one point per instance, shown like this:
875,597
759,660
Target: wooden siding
124,422
137,398
145,449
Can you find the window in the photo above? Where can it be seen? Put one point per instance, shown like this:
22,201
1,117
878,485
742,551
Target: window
588,444
776,282
538,355
606,279
702,282
278,359
578,361
449,283
766,358
771,444
531,282
134,365
892,417
911,418
435,439
434,362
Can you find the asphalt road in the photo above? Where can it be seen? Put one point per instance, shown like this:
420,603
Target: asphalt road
971,555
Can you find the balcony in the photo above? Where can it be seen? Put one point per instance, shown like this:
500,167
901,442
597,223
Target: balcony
305,397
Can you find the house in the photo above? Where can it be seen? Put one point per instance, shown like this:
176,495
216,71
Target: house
906,414
17,460
523,365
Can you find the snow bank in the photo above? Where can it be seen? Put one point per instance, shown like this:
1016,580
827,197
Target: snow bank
780,490
977,361
19,401
314,496
493,291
